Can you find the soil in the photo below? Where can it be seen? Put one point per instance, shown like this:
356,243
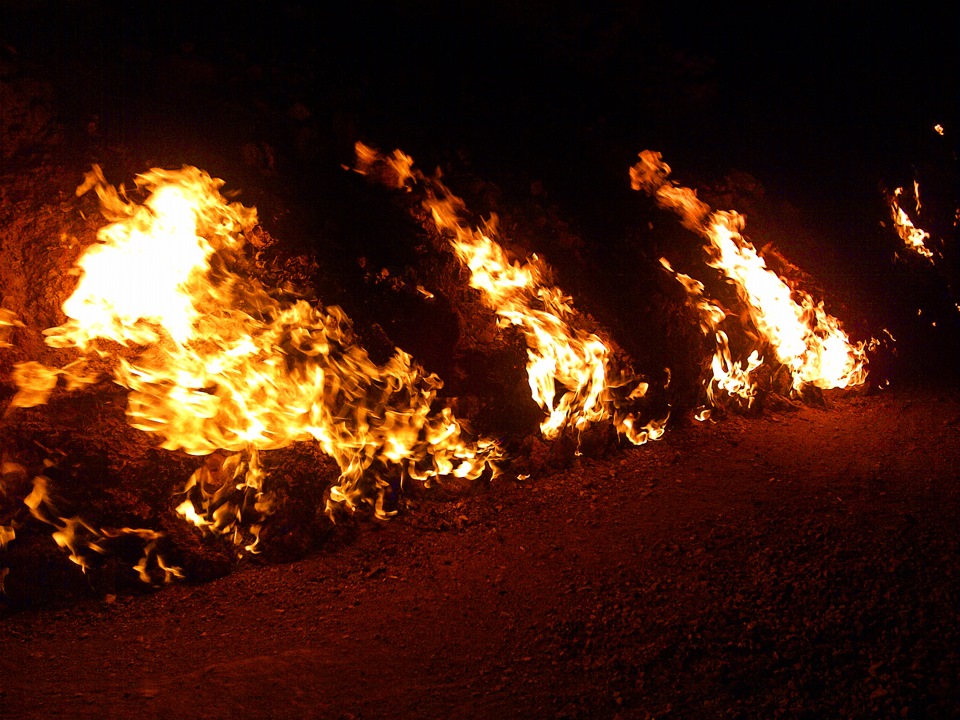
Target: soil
799,561
801,564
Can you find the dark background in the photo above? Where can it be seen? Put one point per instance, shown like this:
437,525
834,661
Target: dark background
773,90
797,564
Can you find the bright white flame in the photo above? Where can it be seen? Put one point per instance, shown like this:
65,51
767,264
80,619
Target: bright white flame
148,263
221,363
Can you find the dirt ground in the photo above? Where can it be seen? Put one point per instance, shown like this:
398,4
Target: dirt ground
801,564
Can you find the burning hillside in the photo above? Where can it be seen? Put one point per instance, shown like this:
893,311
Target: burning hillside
786,322
506,422
215,364
181,401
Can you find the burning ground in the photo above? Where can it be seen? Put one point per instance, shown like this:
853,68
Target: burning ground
797,560
555,430
800,564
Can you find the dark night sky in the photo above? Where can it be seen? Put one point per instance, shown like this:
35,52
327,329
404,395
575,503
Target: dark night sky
774,85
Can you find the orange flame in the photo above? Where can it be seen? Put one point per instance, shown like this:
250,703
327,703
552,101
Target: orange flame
7,533
222,363
802,335
78,538
8,321
913,237
228,492
727,375
570,371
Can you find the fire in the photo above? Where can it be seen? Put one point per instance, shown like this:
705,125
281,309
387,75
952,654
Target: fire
801,334
35,381
8,321
78,538
215,363
228,492
148,265
913,237
727,375
570,371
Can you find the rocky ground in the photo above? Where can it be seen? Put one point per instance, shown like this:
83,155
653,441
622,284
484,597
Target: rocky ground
802,564
798,562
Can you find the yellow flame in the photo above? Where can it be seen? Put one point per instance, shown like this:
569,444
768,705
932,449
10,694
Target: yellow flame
9,471
732,377
78,538
8,321
913,237
221,363
7,534
802,335
230,498
35,381
570,371
151,261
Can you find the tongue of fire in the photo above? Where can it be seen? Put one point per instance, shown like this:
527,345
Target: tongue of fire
216,362
571,371
801,334
914,238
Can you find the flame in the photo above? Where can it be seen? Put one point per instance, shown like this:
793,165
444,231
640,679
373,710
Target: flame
220,363
570,371
8,321
226,493
78,538
727,375
7,533
151,261
802,335
36,381
913,237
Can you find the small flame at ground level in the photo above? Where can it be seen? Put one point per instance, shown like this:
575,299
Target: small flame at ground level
802,335
570,371
78,538
913,237
8,321
727,375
